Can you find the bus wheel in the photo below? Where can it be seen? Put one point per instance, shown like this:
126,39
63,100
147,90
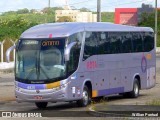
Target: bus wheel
135,92
86,98
41,105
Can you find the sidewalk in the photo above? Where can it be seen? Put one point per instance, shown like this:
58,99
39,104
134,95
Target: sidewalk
104,110
7,87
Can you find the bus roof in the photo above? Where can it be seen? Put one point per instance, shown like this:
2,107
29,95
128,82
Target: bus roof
65,29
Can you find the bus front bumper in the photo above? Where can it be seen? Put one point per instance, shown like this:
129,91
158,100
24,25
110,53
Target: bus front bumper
42,95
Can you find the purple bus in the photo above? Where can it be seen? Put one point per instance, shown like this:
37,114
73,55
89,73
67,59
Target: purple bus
80,61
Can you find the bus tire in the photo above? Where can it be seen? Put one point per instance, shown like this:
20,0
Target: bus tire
41,105
135,92
86,98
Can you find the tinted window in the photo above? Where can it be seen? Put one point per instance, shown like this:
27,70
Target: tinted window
90,47
115,42
75,52
148,40
137,42
77,37
126,42
103,43
74,60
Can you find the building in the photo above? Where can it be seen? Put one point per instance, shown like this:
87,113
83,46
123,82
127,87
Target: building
76,15
126,16
131,16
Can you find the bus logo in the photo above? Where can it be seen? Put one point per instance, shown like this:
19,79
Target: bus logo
144,64
37,91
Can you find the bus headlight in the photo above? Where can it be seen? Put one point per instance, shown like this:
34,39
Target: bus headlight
62,86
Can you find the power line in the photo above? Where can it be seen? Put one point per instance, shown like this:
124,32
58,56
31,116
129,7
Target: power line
80,2
111,5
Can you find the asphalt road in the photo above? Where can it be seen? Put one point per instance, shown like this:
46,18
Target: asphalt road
70,109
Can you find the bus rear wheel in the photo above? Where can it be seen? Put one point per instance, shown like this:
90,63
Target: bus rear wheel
135,92
86,98
41,105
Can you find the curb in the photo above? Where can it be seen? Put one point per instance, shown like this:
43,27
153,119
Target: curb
6,71
102,114
7,84
122,115
7,99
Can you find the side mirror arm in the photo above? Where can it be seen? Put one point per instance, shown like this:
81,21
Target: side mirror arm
68,49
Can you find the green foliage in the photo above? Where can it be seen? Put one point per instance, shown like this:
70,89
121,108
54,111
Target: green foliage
65,19
12,24
84,9
12,28
108,17
148,20
51,10
23,11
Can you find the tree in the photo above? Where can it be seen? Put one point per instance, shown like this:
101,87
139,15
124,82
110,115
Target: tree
33,11
148,20
65,19
22,11
84,9
9,13
51,10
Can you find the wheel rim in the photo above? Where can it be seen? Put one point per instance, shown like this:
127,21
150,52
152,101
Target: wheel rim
136,89
85,97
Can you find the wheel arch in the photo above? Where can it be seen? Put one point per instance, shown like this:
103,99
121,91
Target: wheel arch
137,76
88,83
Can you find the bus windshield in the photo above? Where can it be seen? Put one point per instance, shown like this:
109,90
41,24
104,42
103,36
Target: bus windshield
40,59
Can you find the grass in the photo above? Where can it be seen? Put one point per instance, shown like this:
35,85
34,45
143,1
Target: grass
97,101
153,102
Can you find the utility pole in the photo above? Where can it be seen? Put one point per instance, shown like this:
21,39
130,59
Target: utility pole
156,16
98,10
49,3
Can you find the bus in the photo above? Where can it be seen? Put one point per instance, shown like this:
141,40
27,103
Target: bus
65,62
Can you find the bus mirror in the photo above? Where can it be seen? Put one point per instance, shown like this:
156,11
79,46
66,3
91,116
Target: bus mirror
8,52
68,49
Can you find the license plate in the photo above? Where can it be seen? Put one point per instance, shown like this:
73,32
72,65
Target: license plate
38,97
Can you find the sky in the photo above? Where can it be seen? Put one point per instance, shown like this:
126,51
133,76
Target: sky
107,5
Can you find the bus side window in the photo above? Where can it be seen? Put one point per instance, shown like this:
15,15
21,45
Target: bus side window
148,40
103,43
115,42
74,59
75,52
126,43
77,37
90,47
137,42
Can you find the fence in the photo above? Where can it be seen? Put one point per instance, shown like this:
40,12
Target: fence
4,45
158,50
